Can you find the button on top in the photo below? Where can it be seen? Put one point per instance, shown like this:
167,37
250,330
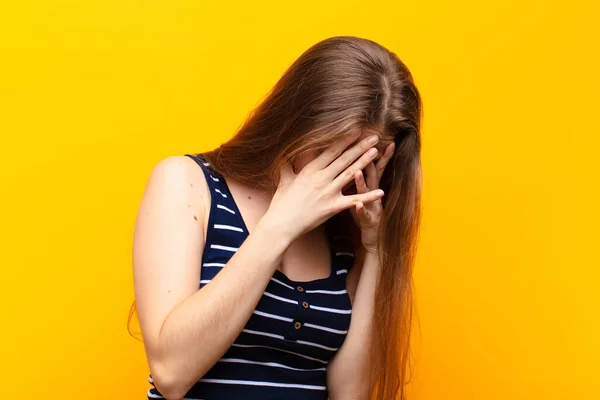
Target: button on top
300,289
304,304
297,325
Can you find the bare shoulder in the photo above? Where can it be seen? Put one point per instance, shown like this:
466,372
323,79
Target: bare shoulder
177,172
173,206
178,180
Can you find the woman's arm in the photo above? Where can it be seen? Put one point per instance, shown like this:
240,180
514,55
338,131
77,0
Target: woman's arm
348,371
187,330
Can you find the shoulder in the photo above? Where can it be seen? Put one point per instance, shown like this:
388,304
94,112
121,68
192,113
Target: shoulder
178,181
176,169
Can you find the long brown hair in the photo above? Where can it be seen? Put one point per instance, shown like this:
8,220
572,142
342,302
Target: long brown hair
339,85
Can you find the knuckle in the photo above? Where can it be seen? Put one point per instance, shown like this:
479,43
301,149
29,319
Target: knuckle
331,151
349,174
343,158
319,179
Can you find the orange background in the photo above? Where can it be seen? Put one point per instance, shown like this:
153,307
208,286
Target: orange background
94,93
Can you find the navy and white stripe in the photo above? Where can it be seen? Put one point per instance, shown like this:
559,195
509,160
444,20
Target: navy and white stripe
294,331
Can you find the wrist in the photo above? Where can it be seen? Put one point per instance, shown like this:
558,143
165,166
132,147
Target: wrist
371,251
370,248
276,229
370,259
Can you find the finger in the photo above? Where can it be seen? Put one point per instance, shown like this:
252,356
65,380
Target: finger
348,174
361,186
332,152
360,207
362,212
384,159
365,198
372,176
350,156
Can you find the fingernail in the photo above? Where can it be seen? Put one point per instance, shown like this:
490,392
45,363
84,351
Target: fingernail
372,152
373,139
379,193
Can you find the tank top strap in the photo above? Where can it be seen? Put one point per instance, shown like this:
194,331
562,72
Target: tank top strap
213,178
216,182
221,198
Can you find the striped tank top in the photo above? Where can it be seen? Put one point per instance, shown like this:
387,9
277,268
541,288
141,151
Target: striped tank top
295,329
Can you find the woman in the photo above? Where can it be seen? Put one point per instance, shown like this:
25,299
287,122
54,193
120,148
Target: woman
300,232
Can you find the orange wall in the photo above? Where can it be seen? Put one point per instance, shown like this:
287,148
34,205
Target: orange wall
93,93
